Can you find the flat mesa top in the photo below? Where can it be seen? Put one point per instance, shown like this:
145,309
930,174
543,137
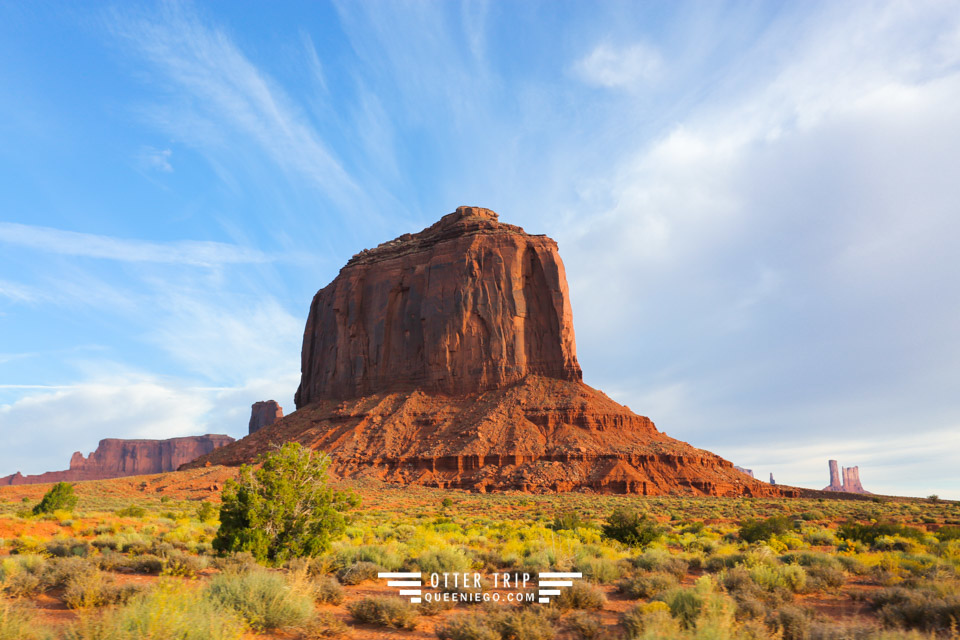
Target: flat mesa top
464,221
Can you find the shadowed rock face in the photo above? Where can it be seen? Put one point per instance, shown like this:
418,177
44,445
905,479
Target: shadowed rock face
263,414
467,305
115,458
447,358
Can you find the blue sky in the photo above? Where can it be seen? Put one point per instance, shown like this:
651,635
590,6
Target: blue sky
757,205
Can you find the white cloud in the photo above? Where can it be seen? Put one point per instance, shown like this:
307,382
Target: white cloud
155,159
619,68
784,257
73,243
76,417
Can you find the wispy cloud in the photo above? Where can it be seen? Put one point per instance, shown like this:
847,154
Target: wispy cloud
73,243
627,67
155,159
18,292
226,88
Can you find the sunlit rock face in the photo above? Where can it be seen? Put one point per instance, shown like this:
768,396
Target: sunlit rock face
447,358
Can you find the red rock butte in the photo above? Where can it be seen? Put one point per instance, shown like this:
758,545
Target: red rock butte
116,458
447,358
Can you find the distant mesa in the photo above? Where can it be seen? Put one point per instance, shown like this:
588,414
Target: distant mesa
749,472
772,481
447,358
115,458
263,414
849,481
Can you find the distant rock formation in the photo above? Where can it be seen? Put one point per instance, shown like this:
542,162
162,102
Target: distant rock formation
772,481
447,358
115,458
749,472
849,481
263,414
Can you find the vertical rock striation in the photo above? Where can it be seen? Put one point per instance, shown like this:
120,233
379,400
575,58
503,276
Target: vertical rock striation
468,304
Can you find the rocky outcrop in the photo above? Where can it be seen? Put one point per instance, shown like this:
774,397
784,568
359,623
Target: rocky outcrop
772,481
851,480
749,472
116,458
447,358
836,484
263,414
848,482
467,305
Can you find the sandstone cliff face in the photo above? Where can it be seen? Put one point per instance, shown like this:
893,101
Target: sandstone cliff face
466,305
115,458
263,414
447,358
848,481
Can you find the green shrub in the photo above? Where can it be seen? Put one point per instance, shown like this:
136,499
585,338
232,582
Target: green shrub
530,623
791,577
328,591
916,608
435,606
384,612
147,563
947,533
599,570
182,565
647,585
467,627
508,624
17,623
283,509
869,533
59,571
59,498
820,537
631,528
66,547
585,626
754,530
582,595
324,625
264,599
207,512
359,572
660,560
685,605
570,520
133,511
169,612
792,621
823,577
94,589
443,560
